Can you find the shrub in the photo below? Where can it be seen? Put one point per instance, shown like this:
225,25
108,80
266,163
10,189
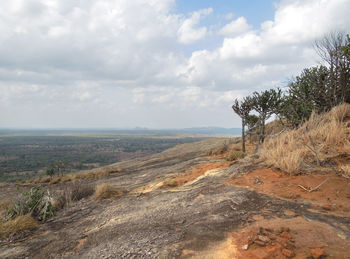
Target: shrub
61,201
19,224
80,191
36,202
106,191
235,155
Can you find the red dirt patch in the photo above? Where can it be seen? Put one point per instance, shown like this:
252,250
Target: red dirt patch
333,196
199,170
290,238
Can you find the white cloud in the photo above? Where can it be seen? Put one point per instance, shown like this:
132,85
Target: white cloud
187,32
235,27
138,60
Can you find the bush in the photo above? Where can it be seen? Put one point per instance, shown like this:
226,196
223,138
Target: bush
235,155
61,201
36,202
80,191
106,191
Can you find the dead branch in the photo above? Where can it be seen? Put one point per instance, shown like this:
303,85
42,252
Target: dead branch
308,189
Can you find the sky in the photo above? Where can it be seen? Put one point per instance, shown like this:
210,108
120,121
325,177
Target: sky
151,63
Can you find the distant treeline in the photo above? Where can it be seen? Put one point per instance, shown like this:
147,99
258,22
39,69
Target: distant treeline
24,156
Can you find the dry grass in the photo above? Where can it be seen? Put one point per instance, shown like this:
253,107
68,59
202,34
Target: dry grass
320,139
5,204
55,180
171,182
235,155
20,224
106,191
83,175
345,171
80,191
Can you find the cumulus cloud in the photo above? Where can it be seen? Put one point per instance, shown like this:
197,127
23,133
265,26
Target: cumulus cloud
257,59
235,27
188,33
138,60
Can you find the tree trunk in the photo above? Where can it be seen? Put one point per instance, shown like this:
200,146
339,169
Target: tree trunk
243,136
263,131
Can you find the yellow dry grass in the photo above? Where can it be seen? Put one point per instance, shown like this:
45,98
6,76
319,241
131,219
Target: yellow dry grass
171,182
234,155
321,138
106,191
4,204
83,175
21,223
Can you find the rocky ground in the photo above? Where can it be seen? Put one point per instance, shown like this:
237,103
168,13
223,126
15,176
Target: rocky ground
216,209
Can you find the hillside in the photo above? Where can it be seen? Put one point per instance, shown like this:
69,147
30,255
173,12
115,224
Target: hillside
191,202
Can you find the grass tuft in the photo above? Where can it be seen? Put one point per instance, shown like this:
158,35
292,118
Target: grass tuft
106,191
235,155
19,224
171,183
80,191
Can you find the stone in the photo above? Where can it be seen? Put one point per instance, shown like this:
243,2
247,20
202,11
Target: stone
260,243
245,247
288,253
271,250
326,207
286,235
265,239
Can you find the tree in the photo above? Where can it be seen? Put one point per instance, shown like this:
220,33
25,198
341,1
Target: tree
252,121
242,109
50,171
265,104
333,49
56,167
306,93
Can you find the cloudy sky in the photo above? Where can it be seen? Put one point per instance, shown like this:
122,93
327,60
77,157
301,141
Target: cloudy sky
151,63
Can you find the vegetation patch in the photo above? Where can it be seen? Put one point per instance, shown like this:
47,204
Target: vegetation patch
106,191
80,191
35,202
235,155
171,183
17,225
317,141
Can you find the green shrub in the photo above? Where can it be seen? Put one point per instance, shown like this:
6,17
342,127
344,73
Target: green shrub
36,202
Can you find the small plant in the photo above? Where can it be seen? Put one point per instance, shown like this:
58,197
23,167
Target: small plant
235,155
61,201
35,202
106,191
80,191
171,183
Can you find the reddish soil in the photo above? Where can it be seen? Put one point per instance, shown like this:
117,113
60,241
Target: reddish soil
199,170
333,196
289,238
